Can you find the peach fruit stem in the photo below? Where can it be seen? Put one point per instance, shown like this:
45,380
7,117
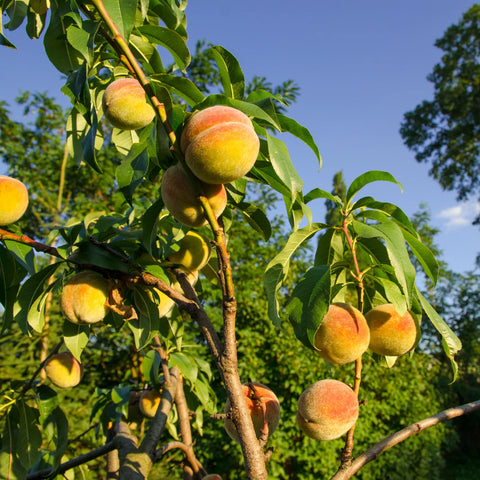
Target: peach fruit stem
141,77
388,442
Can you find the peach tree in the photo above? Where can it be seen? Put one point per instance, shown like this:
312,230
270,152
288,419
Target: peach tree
139,268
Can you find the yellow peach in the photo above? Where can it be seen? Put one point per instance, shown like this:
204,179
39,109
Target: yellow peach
125,105
182,202
64,370
391,333
149,403
13,200
220,144
327,410
84,298
193,254
343,336
258,399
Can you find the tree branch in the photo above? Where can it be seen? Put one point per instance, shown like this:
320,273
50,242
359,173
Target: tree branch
372,453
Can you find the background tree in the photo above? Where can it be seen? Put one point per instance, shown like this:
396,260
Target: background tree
445,131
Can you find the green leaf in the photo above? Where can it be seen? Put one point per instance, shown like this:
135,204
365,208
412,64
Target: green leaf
29,293
75,338
122,12
309,303
397,252
277,269
256,218
319,193
186,365
231,74
29,438
63,56
169,39
392,292
24,254
248,109
450,342
283,166
291,126
148,322
150,366
181,86
424,255
6,42
88,253
149,224
17,12
79,39
36,314
88,144
132,170
369,177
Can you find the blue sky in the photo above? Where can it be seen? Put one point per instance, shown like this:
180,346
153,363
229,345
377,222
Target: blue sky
360,65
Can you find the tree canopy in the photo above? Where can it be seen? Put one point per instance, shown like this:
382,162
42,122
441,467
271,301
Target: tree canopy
445,131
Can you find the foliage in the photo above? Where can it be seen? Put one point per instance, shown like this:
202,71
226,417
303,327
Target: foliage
445,131
101,210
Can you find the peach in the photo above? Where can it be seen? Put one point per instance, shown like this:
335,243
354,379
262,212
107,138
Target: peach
343,336
182,202
125,105
327,410
260,396
390,333
84,298
149,403
13,200
64,370
193,254
220,144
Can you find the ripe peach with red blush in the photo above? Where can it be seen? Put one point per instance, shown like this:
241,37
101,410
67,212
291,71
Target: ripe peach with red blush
343,336
264,408
220,144
327,410
391,334
13,200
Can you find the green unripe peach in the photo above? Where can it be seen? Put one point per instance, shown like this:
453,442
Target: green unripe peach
125,105
149,403
220,144
263,399
193,254
182,202
64,370
391,334
13,200
343,336
327,410
84,298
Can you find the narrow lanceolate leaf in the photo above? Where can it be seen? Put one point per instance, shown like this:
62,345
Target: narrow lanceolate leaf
29,438
122,12
309,303
181,86
319,193
169,39
450,342
5,42
30,291
369,177
256,218
277,269
247,108
231,74
424,255
283,166
150,366
301,132
64,57
130,173
397,252
186,365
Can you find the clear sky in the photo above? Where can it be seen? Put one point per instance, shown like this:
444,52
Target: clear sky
360,66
